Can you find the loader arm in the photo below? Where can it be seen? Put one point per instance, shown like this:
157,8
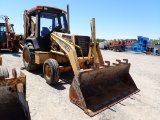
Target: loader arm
69,49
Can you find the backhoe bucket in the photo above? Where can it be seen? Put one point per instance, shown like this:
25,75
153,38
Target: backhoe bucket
13,104
95,90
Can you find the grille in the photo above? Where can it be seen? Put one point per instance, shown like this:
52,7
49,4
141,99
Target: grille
83,42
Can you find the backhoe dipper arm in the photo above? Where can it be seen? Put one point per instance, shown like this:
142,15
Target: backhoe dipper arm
25,18
94,48
29,30
7,23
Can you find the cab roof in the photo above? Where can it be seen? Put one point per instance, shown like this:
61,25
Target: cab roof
2,23
46,8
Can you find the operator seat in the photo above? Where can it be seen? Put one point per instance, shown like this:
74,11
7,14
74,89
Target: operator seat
44,31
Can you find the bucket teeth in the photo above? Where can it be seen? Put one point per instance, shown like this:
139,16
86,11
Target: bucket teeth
108,63
14,73
126,61
120,62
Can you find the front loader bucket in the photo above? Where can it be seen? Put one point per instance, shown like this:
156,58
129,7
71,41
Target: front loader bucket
95,90
13,104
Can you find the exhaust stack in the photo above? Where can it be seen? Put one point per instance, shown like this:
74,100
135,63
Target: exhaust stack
68,19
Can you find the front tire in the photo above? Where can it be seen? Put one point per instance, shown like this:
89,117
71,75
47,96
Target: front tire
51,71
29,57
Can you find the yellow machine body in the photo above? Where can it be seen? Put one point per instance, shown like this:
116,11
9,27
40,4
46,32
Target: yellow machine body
97,84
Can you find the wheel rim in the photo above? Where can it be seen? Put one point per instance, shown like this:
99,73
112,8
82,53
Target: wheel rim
47,71
26,56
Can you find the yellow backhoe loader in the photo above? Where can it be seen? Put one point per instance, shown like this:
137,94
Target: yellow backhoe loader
8,38
13,104
97,84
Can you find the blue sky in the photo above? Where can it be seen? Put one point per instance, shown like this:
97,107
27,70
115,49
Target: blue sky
119,19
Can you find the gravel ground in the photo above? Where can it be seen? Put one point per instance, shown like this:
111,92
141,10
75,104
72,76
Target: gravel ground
52,102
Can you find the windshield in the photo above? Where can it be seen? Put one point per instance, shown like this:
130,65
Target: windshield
50,22
2,28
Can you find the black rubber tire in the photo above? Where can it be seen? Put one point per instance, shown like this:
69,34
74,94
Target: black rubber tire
4,72
54,71
30,65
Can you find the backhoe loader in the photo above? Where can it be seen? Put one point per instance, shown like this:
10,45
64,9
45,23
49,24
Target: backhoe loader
8,38
97,84
13,104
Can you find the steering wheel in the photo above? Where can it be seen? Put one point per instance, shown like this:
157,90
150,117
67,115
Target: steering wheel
50,28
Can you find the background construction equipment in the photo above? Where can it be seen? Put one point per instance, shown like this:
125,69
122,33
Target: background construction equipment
8,38
13,95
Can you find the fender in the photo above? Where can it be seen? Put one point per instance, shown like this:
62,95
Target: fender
34,42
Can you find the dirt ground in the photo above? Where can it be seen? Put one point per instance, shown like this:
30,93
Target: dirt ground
52,102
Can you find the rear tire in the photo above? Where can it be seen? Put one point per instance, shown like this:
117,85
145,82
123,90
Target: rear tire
29,57
4,72
51,71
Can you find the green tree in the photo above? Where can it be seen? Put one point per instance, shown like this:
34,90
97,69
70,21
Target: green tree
100,40
154,42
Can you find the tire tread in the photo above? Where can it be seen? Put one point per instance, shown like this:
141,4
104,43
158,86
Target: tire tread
55,71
